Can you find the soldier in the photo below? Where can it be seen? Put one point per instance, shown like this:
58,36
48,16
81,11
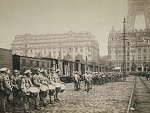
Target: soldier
14,83
37,81
29,84
87,81
76,81
5,88
51,82
56,80
44,81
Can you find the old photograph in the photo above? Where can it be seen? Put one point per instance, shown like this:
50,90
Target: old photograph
74,56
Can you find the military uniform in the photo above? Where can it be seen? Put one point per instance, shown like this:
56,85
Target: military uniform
5,88
51,81
44,81
56,80
76,81
37,82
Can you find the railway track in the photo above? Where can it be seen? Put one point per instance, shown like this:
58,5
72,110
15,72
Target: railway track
140,97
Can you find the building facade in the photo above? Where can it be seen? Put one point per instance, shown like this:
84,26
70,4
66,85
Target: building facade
137,49
70,46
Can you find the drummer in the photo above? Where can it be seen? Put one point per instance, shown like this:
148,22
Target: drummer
51,82
35,79
56,80
38,81
44,81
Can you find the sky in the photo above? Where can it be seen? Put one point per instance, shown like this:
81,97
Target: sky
18,17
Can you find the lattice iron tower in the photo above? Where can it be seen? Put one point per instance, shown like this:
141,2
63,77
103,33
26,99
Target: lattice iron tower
135,8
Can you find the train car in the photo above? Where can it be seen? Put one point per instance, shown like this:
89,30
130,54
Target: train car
23,63
6,58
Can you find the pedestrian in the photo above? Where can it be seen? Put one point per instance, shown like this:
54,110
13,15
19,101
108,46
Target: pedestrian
147,76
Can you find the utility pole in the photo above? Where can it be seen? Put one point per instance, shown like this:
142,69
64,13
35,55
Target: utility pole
86,60
124,50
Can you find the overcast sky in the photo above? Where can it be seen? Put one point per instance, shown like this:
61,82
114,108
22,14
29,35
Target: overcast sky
18,17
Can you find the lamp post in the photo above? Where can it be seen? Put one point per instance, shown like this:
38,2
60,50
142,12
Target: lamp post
124,50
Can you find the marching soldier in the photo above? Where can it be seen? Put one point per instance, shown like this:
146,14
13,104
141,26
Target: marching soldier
5,87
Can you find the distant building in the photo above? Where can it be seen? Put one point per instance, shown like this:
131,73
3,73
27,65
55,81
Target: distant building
137,49
71,46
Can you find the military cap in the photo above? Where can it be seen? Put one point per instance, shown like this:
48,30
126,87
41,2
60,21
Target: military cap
27,72
4,69
76,72
16,71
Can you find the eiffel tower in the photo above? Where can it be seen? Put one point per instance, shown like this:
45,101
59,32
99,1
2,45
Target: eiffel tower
135,8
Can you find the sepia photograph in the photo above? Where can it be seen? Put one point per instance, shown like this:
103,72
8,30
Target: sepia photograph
74,56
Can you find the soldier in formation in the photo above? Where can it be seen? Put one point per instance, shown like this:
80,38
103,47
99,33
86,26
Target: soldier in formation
27,86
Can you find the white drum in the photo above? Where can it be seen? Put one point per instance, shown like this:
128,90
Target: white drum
51,87
34,92
58,85
44,87
63,87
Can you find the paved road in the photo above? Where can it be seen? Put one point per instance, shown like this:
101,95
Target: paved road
112,97
107,98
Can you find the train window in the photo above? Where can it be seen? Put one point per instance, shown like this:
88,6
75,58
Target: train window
42,64
23,62
37,63
31,62
48,65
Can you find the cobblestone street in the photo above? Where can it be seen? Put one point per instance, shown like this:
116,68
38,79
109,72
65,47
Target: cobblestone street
106,98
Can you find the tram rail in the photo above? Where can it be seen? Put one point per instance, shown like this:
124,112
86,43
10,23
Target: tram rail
139,99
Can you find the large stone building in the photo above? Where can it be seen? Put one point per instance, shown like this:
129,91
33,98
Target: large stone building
71,46
137,49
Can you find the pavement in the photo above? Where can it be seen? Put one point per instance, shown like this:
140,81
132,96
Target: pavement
112,97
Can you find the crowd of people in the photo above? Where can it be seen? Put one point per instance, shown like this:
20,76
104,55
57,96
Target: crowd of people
94,78
28,86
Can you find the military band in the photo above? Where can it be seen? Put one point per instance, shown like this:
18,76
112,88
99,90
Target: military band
43,84
27,86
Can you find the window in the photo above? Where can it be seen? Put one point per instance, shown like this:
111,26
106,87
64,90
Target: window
31,62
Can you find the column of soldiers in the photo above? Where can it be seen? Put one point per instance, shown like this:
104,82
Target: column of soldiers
27,86
94,78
